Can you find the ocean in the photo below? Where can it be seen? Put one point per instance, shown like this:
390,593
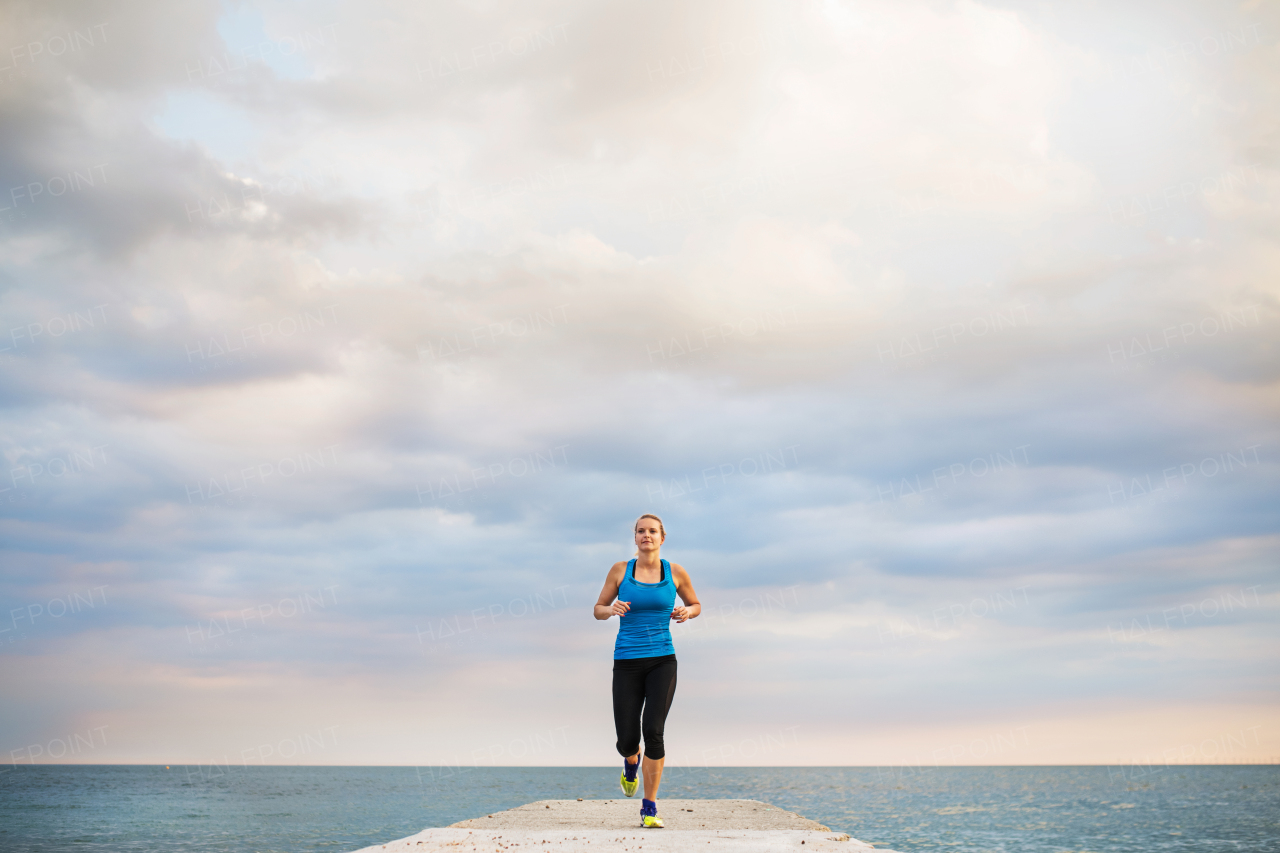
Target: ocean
104,809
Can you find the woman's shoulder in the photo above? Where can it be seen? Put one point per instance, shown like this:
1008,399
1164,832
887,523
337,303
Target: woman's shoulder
618,569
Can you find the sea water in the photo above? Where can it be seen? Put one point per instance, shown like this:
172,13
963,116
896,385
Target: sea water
1146,809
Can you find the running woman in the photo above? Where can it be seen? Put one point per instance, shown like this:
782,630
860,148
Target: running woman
642,593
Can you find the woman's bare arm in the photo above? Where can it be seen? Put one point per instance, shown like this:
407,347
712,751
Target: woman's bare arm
606,604
684,588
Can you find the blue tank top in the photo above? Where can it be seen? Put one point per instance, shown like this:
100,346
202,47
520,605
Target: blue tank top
645,630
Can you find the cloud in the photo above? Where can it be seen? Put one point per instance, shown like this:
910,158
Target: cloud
941,339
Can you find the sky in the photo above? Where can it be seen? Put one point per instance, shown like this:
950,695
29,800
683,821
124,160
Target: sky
344,342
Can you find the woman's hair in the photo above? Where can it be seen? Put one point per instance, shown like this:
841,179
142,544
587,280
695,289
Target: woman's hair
636,526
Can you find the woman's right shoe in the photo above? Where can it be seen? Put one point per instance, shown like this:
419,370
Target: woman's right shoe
629,785
649,815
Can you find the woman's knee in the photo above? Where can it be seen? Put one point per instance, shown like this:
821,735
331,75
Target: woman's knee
653,745
629,748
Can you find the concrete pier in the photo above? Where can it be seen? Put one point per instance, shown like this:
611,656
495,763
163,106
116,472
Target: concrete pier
568,826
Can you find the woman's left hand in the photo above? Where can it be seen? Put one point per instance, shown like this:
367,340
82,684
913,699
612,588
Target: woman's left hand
680,614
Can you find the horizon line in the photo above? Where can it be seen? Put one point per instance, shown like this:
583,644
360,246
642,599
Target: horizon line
459,767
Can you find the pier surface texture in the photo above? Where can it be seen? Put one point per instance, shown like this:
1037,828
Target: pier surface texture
568,826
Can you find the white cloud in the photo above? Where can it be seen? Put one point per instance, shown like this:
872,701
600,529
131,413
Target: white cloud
435,331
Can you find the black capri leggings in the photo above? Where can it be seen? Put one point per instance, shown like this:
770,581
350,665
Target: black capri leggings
650,682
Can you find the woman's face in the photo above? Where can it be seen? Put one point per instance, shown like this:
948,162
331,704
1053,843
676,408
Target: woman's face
648,534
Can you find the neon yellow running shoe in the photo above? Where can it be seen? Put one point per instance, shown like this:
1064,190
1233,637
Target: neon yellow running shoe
649,815
629,785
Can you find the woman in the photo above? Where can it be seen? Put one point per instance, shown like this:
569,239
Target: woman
642,593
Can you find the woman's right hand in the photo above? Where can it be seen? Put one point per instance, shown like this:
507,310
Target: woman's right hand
620,607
